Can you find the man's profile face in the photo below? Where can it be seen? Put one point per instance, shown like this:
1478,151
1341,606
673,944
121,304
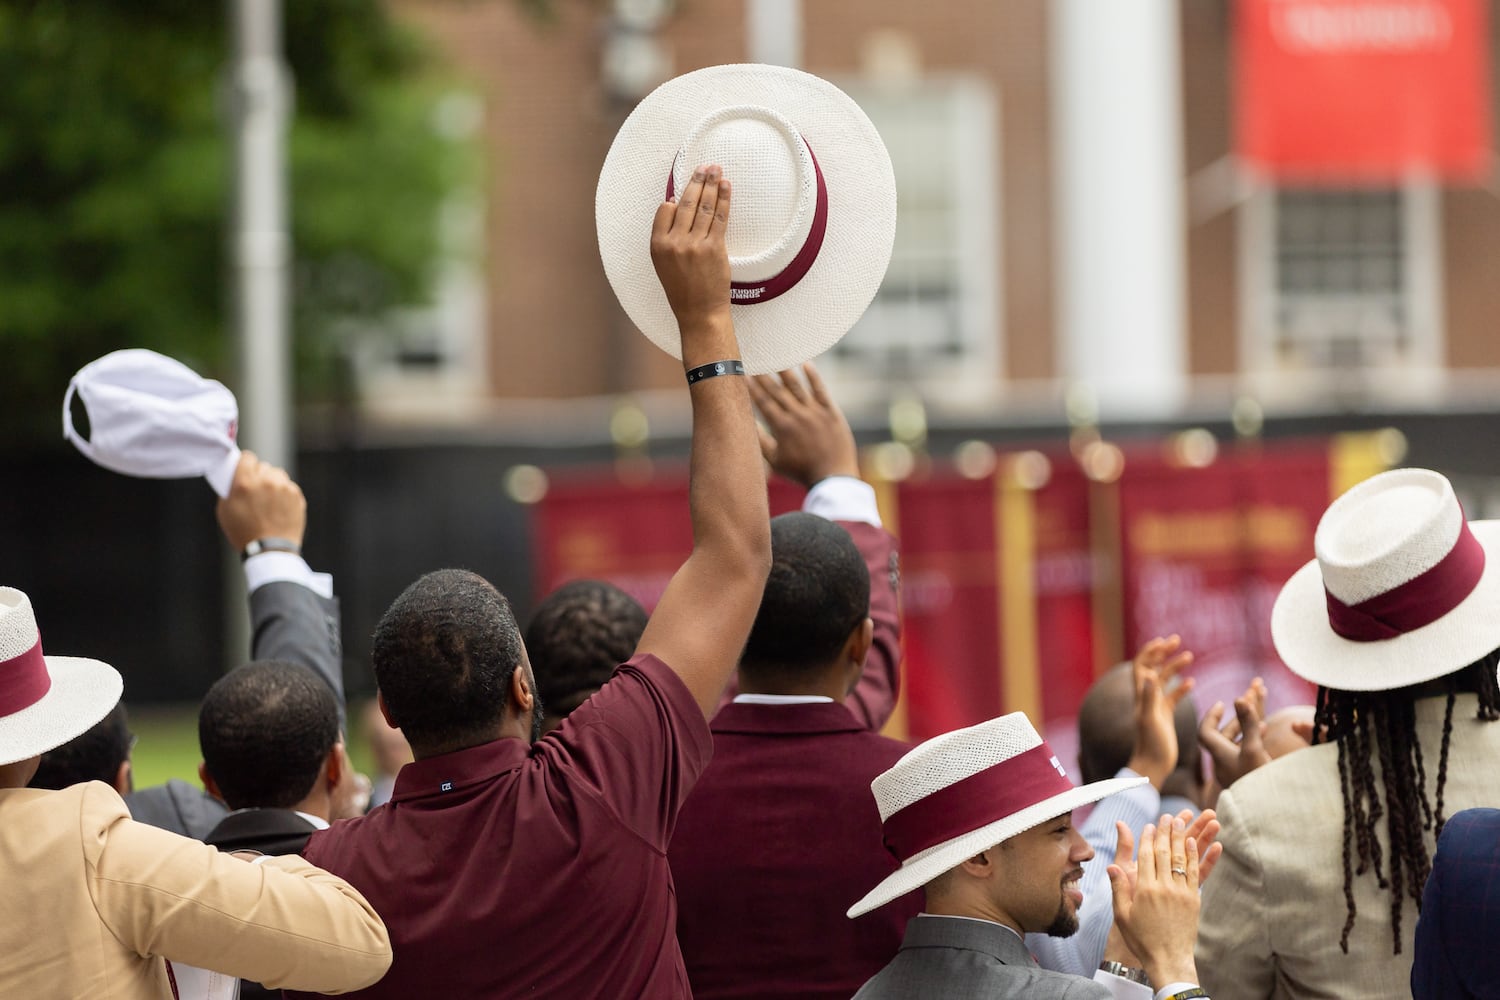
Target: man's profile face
1040,869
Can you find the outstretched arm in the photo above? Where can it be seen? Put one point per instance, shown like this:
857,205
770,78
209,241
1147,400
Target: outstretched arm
704,616
293,613
808,441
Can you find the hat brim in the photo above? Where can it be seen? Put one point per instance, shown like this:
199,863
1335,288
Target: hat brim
924,866
809,318
1310,648
83,691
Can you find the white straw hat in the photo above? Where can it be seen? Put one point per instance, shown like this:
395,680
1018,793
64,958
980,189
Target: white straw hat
813,215
966,791
1401,591
45,701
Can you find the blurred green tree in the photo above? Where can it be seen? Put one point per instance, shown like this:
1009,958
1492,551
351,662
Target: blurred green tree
115,181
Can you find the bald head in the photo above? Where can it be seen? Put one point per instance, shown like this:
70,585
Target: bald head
1288,729
1106,727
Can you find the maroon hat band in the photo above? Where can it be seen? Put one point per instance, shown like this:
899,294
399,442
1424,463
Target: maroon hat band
749,293
23,680
971,803
1419,601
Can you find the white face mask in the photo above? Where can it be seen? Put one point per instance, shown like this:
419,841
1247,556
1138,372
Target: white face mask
154,417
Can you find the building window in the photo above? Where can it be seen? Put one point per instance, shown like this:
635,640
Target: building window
1342,284
935,318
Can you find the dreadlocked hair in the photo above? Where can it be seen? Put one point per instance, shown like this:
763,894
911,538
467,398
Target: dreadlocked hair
1371,724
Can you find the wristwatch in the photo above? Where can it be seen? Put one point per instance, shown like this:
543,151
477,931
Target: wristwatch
260,545
1124,971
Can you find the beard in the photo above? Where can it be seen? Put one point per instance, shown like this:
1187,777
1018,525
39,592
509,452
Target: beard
1065,924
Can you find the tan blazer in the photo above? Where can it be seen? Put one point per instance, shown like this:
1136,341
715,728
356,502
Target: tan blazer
1274,908
91,902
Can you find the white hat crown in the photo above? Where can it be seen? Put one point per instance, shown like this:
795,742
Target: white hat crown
1386,531
776,192
18,631
951,757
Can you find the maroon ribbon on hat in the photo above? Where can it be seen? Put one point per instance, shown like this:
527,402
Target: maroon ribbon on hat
1419,601
23,680
749,293
982,798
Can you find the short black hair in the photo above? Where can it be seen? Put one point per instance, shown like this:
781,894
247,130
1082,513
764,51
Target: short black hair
817,593
444,653
94,756
577,636
265,730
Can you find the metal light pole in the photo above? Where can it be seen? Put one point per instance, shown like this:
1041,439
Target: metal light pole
260,247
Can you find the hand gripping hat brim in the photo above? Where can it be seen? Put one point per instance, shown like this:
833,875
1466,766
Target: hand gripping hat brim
45,701
1401,591
962,793
813,213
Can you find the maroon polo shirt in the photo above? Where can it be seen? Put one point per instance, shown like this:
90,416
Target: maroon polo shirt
509,870
782,836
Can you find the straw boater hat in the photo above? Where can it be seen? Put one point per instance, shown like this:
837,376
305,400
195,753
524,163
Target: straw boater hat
45,701
1402,590
966,791
813,216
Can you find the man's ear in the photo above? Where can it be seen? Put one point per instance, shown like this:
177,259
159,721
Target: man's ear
857,646
124,779
209,784
520,686
335,764
980,865
385,713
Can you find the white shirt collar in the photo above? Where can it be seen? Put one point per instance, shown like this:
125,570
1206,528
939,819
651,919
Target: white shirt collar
782,699
318,822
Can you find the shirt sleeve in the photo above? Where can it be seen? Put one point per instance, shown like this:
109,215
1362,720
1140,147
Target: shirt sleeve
843,498
639,744
283,922
1121,989
1081,953
873,699
1234,954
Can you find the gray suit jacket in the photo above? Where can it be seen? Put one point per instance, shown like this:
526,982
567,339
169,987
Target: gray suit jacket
288,622
958,959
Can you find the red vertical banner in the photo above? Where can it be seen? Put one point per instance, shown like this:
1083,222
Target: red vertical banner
1364,90
592,525
950,594
1205,552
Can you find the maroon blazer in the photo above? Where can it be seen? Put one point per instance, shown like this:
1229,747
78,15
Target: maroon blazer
779,838
781,835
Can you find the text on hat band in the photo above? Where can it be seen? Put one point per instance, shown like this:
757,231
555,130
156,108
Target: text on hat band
748,293
24,680
982,798
1419,601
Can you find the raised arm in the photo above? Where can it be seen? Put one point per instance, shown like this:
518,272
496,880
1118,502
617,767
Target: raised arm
293,613
808,441
705,614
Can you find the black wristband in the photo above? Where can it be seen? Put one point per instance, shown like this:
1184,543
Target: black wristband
260,545
732,367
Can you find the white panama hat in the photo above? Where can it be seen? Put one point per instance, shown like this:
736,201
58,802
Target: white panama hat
964,792
45,701
813,217
1401,591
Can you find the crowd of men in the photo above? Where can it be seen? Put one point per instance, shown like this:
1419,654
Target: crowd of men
698,801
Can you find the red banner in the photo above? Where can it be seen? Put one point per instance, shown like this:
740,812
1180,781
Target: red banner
1364,90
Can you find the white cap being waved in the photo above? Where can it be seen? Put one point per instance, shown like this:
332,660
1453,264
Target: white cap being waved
156,418
814,205
45,701
962,793
1402,589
